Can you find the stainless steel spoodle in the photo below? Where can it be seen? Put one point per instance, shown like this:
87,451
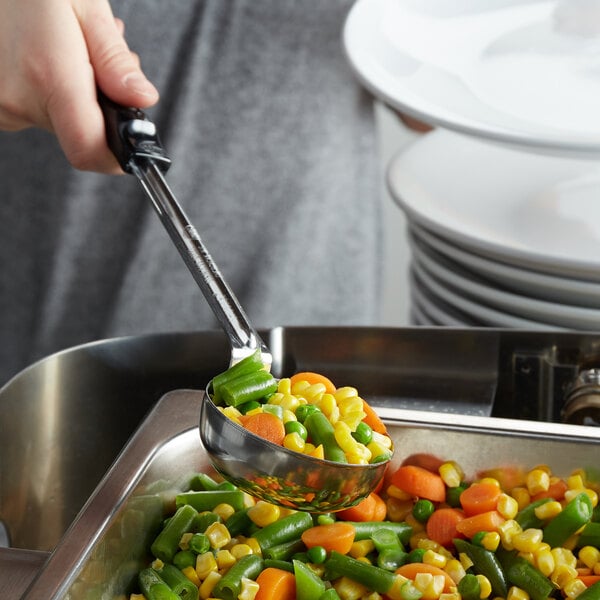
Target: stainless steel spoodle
254,464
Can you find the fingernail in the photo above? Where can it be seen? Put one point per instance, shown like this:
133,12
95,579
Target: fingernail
137,83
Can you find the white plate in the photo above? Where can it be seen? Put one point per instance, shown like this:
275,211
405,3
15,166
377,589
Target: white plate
519,306
478,311
515,71
531,211
525,281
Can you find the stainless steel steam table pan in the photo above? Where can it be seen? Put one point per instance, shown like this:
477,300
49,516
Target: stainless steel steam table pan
107,543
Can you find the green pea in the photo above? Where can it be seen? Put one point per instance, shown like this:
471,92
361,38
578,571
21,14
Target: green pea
184,558
199,543
416,555
363,433
453,495
248,406
304,410
477,539
317,555
422,510
296,427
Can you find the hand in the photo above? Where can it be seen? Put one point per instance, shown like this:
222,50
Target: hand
53,54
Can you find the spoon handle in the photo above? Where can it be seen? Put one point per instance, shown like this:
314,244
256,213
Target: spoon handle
133,139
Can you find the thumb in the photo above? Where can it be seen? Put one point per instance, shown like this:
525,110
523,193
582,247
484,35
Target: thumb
116,68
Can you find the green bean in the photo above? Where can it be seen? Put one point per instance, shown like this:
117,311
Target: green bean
178,582
321,432
526,517
391,553
485,563
208,500
524,575
363,433
590,536
252,386
365,529
308,585
329,594
285,550
375,578
203,520
230,585
572,517
304,410
592,593
283,565
249,364
153,587
202,481
239,522
284,530
166,543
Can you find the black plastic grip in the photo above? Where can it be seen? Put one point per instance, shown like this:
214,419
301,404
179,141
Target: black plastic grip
132,136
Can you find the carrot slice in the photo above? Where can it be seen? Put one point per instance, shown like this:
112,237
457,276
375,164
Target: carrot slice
275,584
419,482
266,425
337,536
380,511
372,419
487,521
480,497
411,570
427,461
589,579
363,511
313,378
442,525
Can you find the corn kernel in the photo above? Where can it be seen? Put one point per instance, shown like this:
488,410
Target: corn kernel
537,480
455,569
352,419
293,441
431,557
491,541
562,574
589,556
317,452
397,509
573,588
544,561
361,548
516,593
157,564
225,559
528,556
345,392
218,535
564,556
415,525
254,545
575,481
596,568
548,510
288,416
415,538
491,480
299,387
249,500
465,561
224,510
507,530
208,585
593,496
248,590
205,564
348,589
191,574
451,473
315,392
264,513
507,506
185,540
233,413
395,492
383,440
522,496
240,550
377,449
484,585
285,385
349,404
450,596
396,591
430,585
528,540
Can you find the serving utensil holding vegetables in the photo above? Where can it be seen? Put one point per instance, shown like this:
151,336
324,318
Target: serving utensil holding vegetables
307,481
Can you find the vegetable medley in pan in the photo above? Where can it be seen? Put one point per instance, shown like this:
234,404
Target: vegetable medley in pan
425,533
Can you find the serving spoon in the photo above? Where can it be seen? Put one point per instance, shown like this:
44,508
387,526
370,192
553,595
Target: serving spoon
255,465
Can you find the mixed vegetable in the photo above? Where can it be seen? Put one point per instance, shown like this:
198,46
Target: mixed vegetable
305,413
426,533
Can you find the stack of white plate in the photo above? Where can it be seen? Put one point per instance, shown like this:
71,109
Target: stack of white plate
499,237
